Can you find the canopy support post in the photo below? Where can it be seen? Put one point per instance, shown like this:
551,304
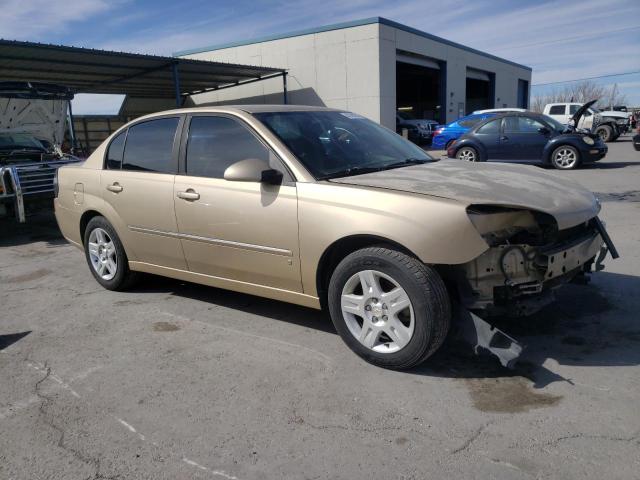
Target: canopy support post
72,128
284,88
176,84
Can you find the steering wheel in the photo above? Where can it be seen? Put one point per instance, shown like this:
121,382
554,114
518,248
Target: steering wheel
342,136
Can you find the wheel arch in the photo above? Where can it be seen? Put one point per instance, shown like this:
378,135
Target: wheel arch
342,247
85,219
116,222
472,143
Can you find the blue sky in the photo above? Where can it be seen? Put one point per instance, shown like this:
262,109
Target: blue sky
561,40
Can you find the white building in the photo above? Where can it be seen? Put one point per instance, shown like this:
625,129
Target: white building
373,67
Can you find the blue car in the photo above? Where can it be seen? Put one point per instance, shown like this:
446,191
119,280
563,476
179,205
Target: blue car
446,134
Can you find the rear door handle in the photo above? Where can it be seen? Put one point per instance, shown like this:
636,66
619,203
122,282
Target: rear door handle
115,187
504,138
189,194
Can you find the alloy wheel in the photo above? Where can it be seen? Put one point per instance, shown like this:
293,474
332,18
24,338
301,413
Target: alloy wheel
565,158
467,154
102,253
377,311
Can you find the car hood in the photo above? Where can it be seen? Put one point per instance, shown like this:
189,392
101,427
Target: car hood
44,119
489,184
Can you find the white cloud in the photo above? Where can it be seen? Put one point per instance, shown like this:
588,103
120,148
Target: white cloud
41,19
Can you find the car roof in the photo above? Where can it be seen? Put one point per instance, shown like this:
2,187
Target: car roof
241,108
496,110
526,113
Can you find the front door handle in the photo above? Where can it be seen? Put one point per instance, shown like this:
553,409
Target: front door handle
504,138
115,187
189,194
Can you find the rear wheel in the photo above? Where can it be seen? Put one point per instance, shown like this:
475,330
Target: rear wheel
565,157
106,256
388,307
469,154
605,132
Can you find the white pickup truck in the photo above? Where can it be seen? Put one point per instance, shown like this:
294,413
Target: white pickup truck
609,125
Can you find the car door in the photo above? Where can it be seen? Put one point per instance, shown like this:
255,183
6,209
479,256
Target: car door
489,136
524,138
137,187
242,231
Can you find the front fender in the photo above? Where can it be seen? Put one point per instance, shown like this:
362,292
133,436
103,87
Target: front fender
559,141
436,230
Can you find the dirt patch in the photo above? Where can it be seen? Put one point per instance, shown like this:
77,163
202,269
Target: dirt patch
507,395
26,277
629,196
401,440
124,303
165,327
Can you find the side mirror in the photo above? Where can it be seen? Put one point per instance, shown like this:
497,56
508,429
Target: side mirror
253,170
544,130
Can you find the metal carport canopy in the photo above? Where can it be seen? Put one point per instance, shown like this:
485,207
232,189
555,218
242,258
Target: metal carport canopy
86,70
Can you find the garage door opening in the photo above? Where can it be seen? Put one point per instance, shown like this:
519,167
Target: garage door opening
419,88
479,94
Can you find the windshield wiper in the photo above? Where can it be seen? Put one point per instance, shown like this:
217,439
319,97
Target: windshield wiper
406,162
361,170
350,171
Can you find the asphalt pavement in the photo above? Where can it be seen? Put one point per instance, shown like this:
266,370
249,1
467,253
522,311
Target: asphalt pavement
179,381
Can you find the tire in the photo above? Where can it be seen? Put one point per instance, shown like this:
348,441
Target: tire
106,257
402,334
565,157
605,132
469,154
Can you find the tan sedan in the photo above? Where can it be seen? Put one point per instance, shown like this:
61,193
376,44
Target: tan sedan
325,208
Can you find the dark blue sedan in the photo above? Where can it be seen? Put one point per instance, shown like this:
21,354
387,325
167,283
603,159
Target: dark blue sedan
528,138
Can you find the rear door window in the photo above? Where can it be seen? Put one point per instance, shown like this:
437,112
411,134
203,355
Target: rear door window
149,146
116,149
573,109
491,127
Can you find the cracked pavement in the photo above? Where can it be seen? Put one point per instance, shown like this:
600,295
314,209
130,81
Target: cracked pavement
179,381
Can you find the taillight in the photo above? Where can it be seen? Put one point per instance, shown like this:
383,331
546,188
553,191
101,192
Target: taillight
439,131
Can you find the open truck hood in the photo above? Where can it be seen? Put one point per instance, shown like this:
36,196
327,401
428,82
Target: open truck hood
580,112
39,109
489,184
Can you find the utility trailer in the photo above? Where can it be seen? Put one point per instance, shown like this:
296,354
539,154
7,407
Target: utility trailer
34,118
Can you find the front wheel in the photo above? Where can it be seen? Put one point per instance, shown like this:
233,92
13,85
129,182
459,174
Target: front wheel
106,256
565,157
467,153
605,132
388,307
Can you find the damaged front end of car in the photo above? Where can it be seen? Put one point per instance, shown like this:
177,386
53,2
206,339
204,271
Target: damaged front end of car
528,257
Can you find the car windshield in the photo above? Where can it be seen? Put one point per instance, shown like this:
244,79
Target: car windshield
556,125
338,144
16,141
